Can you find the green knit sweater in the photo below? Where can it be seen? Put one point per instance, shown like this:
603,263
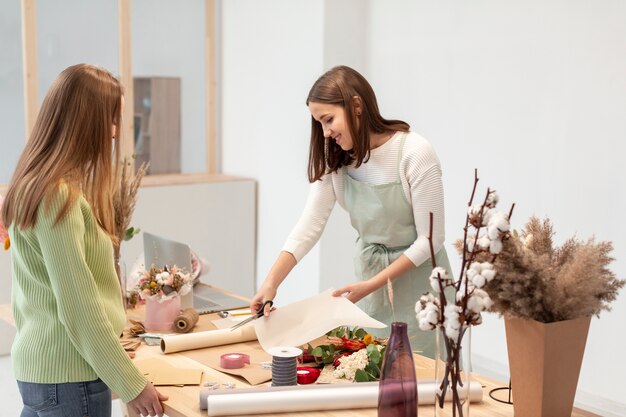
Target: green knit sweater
67,302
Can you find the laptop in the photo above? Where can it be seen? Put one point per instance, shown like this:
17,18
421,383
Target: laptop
205,298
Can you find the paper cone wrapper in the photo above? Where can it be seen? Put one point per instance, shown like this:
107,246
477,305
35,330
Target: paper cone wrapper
545,361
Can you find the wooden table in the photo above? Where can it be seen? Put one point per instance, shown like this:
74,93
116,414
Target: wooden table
184,401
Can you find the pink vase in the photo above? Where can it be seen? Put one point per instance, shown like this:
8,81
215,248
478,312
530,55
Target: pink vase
160,316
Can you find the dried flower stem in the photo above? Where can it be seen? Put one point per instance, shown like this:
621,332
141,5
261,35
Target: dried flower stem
124,200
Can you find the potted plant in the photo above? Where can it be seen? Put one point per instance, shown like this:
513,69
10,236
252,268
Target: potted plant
547,295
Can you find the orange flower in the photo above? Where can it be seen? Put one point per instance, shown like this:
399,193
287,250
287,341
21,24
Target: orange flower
368,339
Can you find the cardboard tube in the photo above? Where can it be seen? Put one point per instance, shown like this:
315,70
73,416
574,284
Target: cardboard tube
309,398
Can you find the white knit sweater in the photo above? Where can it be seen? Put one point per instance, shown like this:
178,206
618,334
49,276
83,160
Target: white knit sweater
420,175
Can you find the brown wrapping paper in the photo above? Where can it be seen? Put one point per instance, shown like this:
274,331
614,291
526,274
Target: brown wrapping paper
253,372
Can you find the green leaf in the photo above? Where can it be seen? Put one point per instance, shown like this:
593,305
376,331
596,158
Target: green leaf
130,233
317,351
359,333
374,355
361,376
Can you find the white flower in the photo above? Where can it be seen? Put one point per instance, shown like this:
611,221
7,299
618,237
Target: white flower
348,365
438,274
162,278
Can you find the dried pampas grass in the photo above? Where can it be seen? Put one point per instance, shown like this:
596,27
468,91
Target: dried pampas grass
539,281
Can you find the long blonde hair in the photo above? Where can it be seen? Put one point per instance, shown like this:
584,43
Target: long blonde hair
71,143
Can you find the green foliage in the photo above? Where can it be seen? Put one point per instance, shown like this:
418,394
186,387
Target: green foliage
130,233
344,341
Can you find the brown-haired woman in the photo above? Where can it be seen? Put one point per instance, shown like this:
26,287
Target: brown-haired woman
66,296
389,180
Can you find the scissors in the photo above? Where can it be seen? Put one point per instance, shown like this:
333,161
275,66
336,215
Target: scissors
255,316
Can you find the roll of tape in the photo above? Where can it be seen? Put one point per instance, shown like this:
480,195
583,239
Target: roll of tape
234,360
307,375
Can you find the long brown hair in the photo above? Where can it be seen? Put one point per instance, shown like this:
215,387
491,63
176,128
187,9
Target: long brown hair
71,143
338,86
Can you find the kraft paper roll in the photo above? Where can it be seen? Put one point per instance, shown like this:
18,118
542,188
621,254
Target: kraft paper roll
309,398
190,341
186,320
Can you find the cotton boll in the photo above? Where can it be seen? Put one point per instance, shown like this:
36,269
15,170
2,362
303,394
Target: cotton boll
479,281
483,242
495,246
492,199
476,266
501,221
452,333
438,274
493,232
432,317
475,303
488,274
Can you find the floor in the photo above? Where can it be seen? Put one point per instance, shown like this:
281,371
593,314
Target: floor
10,396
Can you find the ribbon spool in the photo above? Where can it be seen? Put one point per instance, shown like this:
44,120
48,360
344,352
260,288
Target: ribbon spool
186,320
284,365
307,375
234,360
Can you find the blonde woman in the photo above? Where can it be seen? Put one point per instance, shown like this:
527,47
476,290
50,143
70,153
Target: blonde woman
66,296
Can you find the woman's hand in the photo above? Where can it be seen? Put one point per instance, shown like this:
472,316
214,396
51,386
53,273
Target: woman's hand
265,293
148,402
355,291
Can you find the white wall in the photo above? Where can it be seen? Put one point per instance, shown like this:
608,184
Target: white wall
271,51
531,93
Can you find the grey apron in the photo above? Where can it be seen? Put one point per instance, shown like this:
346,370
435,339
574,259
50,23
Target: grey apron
383,218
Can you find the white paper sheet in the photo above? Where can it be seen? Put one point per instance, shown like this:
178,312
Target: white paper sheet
303,321
310,398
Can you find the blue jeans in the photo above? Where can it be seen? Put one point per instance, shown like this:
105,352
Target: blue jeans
71,399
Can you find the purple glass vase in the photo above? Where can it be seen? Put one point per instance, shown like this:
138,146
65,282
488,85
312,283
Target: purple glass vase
397,391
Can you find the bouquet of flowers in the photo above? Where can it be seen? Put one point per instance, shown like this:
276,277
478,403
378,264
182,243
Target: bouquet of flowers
164,283
4,235
484,232
349,355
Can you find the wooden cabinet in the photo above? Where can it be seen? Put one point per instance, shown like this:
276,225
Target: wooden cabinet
157,123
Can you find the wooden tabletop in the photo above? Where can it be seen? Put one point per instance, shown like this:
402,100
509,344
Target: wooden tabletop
184,401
